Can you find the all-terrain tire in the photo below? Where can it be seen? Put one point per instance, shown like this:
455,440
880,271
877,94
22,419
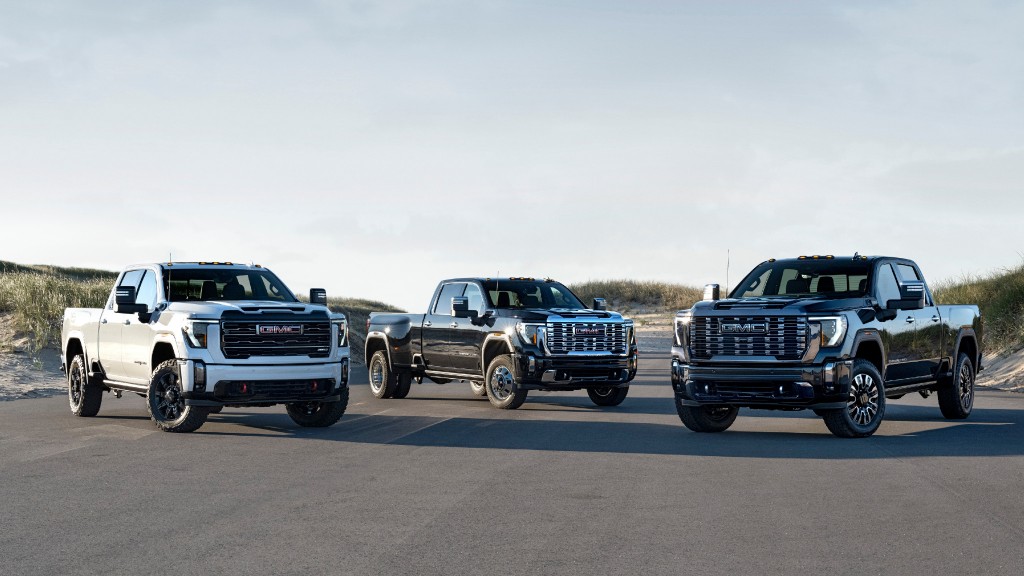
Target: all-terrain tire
84,394
956,396
383,380
502,388
318,414
707,418
166,405
865,407
478,388
403,385
607,395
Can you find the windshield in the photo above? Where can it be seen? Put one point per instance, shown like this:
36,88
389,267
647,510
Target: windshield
824,278
530,294
182,285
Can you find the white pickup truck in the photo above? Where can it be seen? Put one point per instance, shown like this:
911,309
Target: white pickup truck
193,338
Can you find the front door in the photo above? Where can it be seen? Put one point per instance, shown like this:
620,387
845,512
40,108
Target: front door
898,334
137,336
928,333
109,347
437,329
466,338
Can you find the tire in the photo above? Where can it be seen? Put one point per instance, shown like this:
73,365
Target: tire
84,394
478,388
403,385
956,397
502,389
607,395
865,407
707,418
382,379
318,414
166,405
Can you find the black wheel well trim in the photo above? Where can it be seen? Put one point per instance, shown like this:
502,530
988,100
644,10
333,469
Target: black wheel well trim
967,334
488,345
378,340
75,343
872,337
157,358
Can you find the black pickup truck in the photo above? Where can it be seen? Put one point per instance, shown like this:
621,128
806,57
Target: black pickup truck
835,335
505,336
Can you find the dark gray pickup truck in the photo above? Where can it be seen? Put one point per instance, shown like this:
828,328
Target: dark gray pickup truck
835,335
505,336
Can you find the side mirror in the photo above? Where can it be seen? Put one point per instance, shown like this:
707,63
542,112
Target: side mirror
911,296
711,292
600,304
124,301
460,307
318,296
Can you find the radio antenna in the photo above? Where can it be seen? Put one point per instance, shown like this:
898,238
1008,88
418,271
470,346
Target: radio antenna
728,258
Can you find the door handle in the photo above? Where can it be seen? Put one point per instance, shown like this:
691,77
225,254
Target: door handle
427,324
127,322
454,325
935,318
104,321
910,319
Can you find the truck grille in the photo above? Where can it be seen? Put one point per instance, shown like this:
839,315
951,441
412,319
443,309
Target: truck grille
782,337
244,339
587,337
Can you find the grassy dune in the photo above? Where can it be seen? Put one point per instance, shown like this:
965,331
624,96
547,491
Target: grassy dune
1001,298
357,310
637,296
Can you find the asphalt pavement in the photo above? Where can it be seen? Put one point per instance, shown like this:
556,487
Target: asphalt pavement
441,483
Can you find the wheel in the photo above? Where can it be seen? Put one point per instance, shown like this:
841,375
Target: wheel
478,388
956,397
318,414
382,380
84,394
865,406
607,395
707,418
502,389
166,404
403,385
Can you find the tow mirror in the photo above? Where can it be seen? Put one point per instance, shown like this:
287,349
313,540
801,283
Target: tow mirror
124,301
318,296
600,304
460,307
712,292
911,296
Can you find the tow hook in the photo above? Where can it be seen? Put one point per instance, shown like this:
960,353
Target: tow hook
924,393
117,393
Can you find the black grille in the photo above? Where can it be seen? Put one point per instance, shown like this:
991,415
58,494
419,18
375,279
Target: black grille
277,335
587,337
782,337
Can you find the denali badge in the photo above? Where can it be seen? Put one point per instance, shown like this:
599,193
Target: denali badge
278,329
588,331
752,328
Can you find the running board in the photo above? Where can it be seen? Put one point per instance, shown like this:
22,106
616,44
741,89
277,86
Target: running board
140,388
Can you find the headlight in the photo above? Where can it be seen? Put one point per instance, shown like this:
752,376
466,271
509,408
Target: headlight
342,332
630,335
195,332
531,333
833,330
682,327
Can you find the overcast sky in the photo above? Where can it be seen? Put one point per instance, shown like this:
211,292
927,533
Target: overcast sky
373,148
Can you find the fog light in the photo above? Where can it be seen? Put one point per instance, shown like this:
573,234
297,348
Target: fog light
531,364
198,376
829,377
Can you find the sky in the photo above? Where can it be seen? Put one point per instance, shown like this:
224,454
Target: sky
373,148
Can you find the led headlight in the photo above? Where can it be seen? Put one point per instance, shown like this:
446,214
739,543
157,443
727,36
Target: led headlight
630,334
342,332
531,333
682,327
195,332
833,330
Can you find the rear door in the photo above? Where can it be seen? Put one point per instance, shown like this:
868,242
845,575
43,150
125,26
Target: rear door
437,327
466,338
111,326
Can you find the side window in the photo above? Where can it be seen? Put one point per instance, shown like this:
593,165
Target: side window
907,272
476,297
443,306
147,290
130,278
558,299
888,288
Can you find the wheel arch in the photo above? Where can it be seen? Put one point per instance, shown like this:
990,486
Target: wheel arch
494,345
868,346
162,352
72,348
967,342
375,342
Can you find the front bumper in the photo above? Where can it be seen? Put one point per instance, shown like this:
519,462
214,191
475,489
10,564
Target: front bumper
574,372
242,385
818,386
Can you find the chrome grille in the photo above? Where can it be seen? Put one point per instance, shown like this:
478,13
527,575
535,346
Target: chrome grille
587,337
240,339
784,337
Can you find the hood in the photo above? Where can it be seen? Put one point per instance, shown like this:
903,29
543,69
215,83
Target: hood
557,314
732,306
216,308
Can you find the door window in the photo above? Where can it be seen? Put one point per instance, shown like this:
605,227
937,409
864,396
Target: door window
475,296
443,306
888,288
147,290
907,272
